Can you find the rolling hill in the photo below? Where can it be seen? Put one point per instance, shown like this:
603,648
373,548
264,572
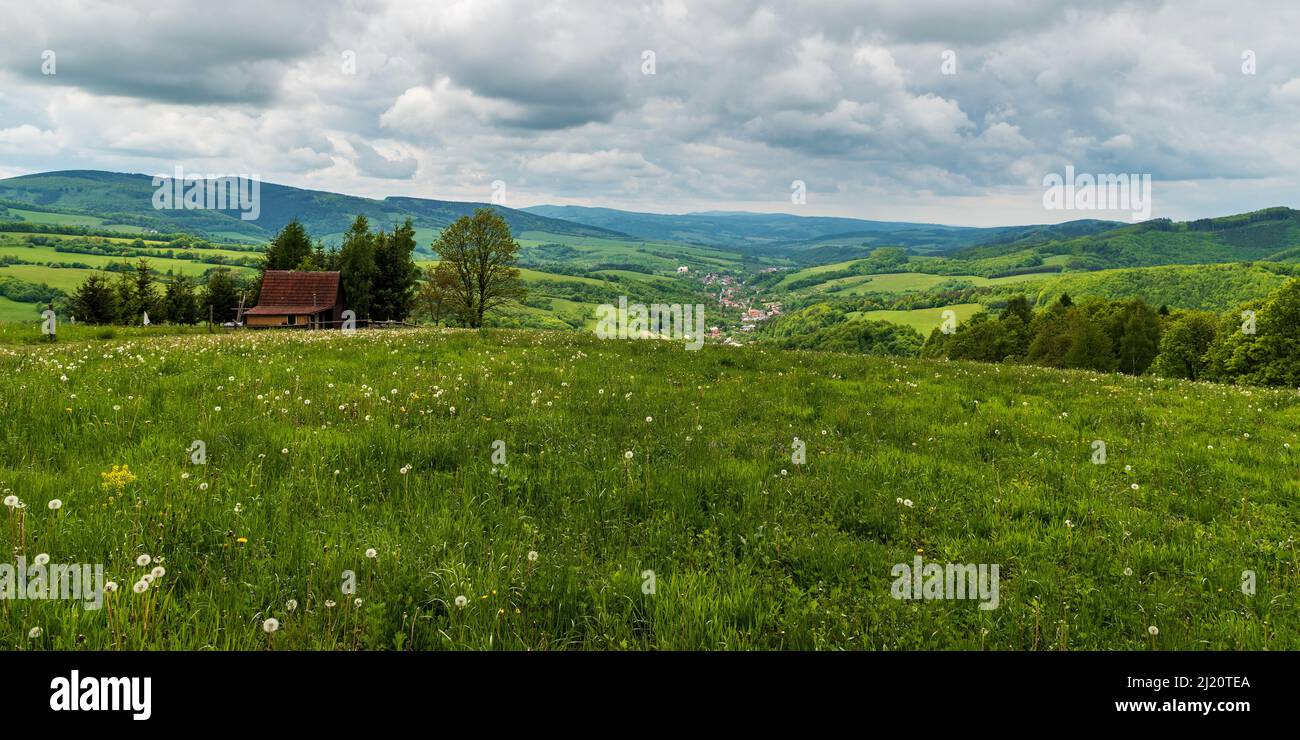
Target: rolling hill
809,239
106,199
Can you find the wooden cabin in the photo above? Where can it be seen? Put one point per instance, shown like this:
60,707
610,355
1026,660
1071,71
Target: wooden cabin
298,299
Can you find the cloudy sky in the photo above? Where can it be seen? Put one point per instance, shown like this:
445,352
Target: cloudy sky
554,99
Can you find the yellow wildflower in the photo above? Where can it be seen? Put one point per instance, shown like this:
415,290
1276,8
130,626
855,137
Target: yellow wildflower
117,478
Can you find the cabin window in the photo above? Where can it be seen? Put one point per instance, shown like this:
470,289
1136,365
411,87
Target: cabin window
292,320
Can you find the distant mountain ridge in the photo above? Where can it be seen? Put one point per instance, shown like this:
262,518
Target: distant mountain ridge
788,233
127,199
107,199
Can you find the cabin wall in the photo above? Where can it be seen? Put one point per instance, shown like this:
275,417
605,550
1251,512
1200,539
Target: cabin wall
302,320
271,320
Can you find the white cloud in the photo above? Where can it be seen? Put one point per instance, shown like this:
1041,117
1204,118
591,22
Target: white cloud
747,95
29,140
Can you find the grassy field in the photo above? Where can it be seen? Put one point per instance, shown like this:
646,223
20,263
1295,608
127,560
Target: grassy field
631,464
69,219
11,311
923,320
911,282
54,268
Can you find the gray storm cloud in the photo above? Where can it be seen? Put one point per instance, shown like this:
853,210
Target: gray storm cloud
555,99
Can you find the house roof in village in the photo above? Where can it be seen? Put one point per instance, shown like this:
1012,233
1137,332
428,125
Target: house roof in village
296,292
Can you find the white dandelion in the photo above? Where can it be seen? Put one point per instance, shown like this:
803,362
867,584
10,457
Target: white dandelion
270,625
291,605
372,553
461,601
42,559
55,504
532,556
35,633
143,560
140,586
158,572
11,502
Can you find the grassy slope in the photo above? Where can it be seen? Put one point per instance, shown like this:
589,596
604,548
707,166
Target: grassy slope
924,320
13,311
995,460
911,282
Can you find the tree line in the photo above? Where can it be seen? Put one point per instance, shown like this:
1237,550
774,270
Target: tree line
475,277
179,299
1257,344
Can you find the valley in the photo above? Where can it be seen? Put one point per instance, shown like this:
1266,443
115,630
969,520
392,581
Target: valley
59,228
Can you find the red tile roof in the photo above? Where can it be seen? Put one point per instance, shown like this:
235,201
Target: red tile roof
296,292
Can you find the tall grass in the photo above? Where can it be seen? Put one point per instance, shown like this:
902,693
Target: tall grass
307,434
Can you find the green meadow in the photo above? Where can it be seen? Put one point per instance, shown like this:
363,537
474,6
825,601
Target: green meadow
924,320
450,489
58,269
14,311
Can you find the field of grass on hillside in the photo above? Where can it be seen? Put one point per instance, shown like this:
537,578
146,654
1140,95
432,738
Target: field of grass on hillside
648,497
924,320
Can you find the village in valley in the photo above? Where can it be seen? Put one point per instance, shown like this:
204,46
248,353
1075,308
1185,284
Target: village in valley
741,306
